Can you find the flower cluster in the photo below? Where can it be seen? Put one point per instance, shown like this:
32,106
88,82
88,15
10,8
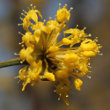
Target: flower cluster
62,62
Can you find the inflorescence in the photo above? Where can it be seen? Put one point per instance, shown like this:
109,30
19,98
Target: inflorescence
63,62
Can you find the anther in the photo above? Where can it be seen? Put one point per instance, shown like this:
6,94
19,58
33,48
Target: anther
71,9
54,91
50,18
20,24
20,43
31,5
84,28
20,33
22,14
67,95
65,5
21,62
59,5
21,18
58,98
101,54
16,54
77,26
44,20
24,11
34,7
89,35
89,77
28,8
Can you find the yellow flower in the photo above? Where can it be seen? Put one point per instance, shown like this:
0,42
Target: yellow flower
63,15
78,83
49,76
48,58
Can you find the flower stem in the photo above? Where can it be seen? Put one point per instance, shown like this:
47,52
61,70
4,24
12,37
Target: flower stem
11,62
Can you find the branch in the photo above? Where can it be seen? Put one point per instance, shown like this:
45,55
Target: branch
11,62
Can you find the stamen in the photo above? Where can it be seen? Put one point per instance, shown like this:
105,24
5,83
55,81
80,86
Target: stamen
23,14
89,35
84,28
25,11
16,54
21,18
31,5
20,33
71,9
59,5
65,5
21,62
44,20
89,77
20,43
58,98
20,24
77,26
50,18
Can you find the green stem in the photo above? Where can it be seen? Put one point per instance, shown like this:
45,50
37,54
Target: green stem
13,62
10,62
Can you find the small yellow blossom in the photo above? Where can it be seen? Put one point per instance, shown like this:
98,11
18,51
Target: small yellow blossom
49,76
66,41
48,58
71,57
63,14
78,83
62,74
88,45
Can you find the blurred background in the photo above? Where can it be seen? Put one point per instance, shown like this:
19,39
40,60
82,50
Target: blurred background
95,93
